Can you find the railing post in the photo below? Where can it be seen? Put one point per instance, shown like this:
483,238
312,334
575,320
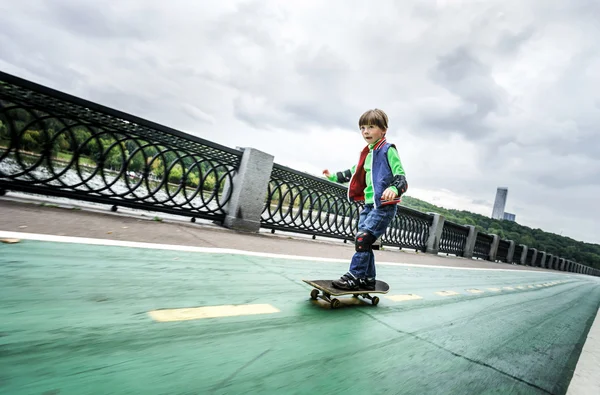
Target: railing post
543,260
494,248
435,234
523,257
533,257
511,251
470,244
549,259
249,190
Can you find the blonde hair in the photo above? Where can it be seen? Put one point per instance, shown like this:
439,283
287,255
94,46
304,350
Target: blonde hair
374,117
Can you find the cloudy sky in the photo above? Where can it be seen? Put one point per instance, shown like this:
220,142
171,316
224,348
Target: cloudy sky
480,94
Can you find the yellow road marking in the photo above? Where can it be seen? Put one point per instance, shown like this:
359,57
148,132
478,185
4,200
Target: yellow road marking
9,241
447,293
402,298
475,291
197,313
494,289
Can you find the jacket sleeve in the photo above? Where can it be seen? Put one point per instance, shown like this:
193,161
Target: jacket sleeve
395,165
342,176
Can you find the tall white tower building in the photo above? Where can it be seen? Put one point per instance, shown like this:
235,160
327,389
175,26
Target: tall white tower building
500,203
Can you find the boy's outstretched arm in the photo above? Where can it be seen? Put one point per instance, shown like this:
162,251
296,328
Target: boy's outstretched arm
340,176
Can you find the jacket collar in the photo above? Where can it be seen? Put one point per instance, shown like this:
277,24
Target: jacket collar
378,144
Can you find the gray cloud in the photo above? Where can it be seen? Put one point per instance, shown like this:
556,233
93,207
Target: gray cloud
479,94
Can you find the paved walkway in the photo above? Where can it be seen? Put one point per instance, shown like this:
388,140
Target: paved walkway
103,224
198,314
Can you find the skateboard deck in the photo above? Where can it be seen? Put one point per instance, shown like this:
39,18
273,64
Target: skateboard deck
327,291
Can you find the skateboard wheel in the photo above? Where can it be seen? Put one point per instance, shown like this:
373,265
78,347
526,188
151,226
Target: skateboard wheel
375,300
335,303
314,293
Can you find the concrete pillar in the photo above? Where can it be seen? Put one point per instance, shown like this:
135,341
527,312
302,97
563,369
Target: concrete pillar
470,244
494,248
523,258
543,260
435,234
533,256
511,251
249,190
561,264
549,259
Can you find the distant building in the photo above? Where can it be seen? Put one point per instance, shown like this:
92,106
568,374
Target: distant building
500,203
510,217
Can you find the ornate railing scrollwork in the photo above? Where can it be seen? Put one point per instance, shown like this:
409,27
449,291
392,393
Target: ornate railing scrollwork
517,254
59,145
483,245
502,252
454,238
299,202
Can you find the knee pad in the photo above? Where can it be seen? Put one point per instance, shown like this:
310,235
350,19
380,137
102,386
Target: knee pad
364,241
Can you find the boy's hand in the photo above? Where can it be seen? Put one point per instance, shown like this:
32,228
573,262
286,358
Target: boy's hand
326,173
389,194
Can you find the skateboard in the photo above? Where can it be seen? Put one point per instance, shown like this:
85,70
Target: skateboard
327,291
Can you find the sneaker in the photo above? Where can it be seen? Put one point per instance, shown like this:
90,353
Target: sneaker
346,282
367,284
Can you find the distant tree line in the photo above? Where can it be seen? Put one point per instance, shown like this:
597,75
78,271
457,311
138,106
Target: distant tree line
562,246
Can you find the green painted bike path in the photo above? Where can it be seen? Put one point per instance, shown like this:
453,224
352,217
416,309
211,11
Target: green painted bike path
74,320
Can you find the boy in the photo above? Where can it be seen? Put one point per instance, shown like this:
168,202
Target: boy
379,180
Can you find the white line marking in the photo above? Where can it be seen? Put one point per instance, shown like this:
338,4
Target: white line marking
197,313
586,378
494,289
173,247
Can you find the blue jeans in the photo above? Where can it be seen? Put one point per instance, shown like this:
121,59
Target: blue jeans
375,221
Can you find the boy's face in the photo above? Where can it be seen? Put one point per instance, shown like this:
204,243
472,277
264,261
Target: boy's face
372,133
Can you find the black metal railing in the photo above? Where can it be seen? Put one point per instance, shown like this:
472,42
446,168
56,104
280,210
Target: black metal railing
59,145
302,203
454,238
538,260
409,229
306,204
502,251
483,245
529,258
55,144
517,254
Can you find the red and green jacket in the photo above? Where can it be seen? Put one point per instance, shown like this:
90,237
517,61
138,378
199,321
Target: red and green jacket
377,165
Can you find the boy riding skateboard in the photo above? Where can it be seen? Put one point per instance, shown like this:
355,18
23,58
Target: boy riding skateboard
379,180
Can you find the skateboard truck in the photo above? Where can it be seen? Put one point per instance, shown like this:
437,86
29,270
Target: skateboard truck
335,303
324,290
